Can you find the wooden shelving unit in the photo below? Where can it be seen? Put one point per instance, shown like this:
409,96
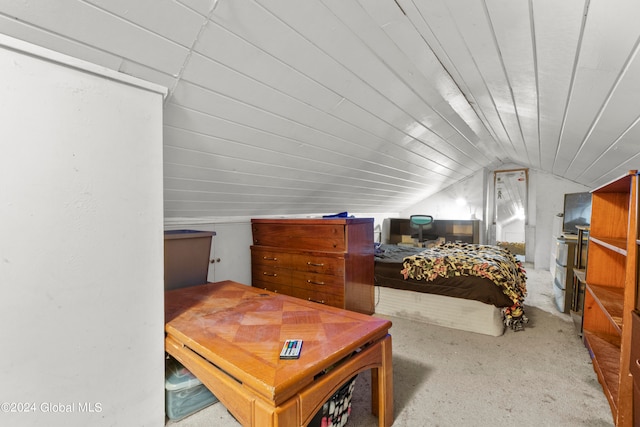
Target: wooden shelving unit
580,277
634,362
611,291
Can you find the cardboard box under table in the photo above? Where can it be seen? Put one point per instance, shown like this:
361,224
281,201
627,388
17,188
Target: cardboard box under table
230,336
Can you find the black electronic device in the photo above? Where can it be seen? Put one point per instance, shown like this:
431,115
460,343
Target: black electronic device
577,211
291,349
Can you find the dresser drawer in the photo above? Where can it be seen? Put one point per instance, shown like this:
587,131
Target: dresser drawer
266,257
319,237
279,288
317,282
320,297
318,264
270,275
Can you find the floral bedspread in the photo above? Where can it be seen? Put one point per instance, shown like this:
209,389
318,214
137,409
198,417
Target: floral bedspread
465,259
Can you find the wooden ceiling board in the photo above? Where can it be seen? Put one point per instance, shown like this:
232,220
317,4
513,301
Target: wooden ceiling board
205,179
516,49
625,148
303,137
305,181
446,38
310,158
605,49
186,22
191,189
237,112
96,27
416,65
40,37
203,7
458,94
206,190
246,59
369,104
476,28
306,132
241,158
368,65
558,28
341,154
612,136
306,106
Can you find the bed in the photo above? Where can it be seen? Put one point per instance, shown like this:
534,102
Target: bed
477,288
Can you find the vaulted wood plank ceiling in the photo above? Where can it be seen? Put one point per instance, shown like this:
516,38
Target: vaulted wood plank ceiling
314,106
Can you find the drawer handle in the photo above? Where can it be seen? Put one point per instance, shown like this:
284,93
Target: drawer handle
268,258
315,300
315,264
264,273
315,283
274,291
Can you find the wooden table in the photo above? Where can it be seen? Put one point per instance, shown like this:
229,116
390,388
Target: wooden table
230,335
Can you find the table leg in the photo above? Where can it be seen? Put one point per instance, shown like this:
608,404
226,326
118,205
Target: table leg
382,386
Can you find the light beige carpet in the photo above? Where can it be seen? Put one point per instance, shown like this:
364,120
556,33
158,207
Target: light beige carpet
444,377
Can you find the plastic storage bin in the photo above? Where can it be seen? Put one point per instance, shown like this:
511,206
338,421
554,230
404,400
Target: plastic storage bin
185,394
186,258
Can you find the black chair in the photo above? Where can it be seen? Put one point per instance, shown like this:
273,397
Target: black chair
422,223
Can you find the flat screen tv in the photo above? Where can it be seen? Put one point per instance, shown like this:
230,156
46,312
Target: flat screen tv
577,211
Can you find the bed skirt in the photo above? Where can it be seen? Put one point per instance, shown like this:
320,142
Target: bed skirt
456,313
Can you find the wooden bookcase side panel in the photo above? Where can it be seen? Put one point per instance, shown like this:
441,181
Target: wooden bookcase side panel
615,208
637,301
606,267
626,410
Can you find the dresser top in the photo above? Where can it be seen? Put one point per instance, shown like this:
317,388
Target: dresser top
311,221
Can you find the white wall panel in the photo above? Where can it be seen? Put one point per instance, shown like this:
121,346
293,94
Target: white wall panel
81,247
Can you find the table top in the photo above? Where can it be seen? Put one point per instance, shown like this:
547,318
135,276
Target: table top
242,329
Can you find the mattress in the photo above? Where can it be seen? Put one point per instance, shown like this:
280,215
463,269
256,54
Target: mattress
457,313
479,292
387,273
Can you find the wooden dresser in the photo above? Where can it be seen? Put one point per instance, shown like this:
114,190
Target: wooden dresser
329,261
